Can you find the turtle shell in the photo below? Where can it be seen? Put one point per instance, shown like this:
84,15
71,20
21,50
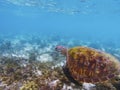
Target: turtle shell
90,65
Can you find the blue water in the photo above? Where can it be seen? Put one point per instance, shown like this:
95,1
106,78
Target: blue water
80,19
30,30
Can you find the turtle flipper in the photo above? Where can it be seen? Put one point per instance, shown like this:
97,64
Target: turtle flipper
68,75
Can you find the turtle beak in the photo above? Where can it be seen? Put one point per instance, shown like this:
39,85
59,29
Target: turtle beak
58,50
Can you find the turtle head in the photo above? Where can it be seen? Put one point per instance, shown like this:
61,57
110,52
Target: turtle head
61,49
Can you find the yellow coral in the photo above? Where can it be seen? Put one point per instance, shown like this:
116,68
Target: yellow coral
30,85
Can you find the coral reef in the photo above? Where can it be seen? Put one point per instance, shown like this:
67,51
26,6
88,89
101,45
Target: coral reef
31,63
30,85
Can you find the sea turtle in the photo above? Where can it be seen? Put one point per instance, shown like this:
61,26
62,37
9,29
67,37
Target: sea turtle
84,64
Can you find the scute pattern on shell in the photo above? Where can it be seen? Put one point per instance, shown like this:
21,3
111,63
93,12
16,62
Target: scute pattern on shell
90,65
